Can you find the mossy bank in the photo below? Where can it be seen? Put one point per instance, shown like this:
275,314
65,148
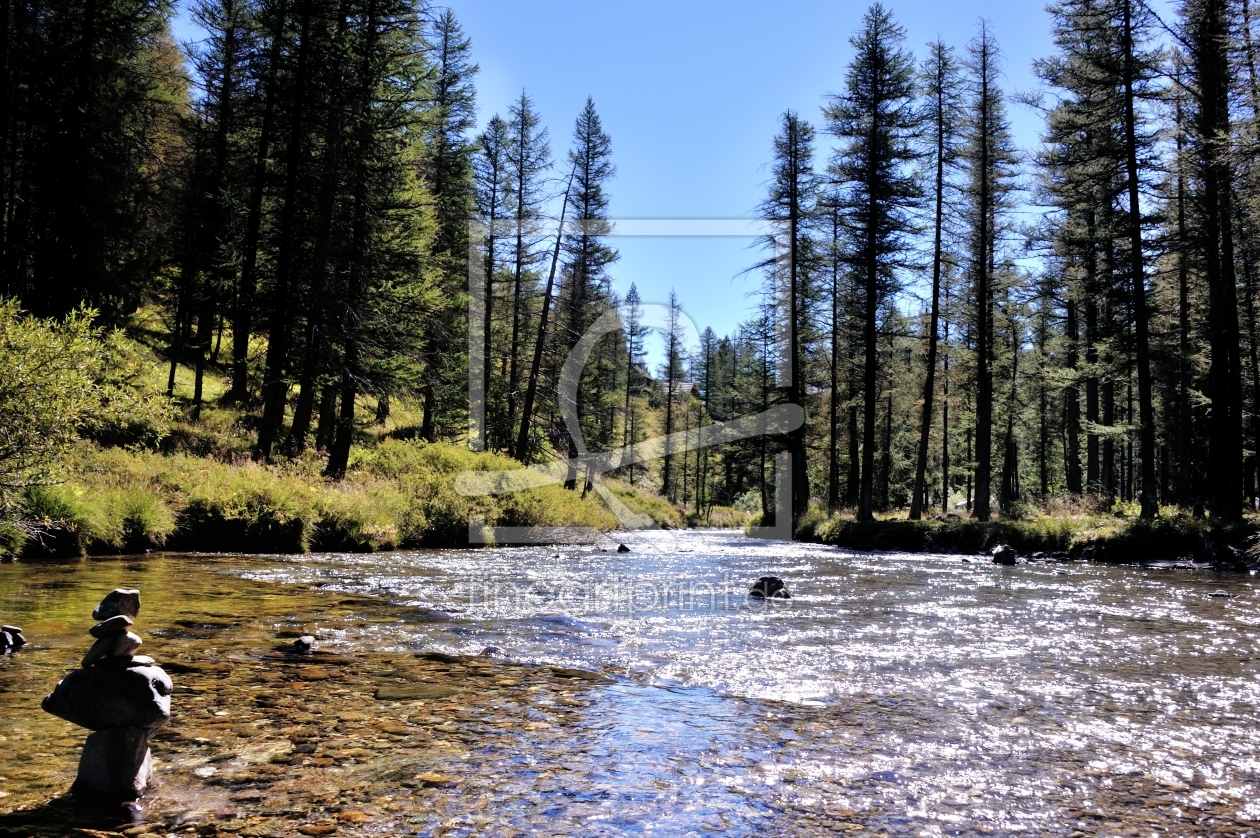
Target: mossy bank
1096,537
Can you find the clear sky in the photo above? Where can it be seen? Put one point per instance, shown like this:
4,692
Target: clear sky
691,92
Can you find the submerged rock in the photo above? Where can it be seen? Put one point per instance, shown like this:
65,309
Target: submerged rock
769,587
1005,554
304,645
1221,595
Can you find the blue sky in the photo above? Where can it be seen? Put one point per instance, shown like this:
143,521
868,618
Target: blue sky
691,92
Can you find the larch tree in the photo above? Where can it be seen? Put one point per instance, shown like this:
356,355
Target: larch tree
447,169
990,159
528,160
876,122
941,82
790,207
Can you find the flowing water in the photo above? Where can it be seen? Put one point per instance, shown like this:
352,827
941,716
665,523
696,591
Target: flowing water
644,693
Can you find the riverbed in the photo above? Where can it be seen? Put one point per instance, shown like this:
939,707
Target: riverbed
583,691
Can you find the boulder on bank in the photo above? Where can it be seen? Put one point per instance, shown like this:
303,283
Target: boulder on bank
769,587
1005,554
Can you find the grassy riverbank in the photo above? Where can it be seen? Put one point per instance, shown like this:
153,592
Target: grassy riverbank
1098,536
191,485
400,494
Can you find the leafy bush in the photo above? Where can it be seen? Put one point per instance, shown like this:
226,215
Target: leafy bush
56,381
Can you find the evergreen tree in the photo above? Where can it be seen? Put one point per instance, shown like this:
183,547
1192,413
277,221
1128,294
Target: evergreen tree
491,192
528,159
448,172
672,378
941,81
990,159
790,206
92,93
876,122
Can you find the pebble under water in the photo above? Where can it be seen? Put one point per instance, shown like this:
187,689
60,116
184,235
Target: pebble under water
643,693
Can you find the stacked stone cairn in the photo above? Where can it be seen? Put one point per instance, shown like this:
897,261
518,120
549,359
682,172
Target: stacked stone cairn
11,639
121,696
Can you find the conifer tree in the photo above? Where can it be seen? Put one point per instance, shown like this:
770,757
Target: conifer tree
528,158
791,206
587,286
876,122
989,159
672,376
491,191
941,82
448,174
1206,31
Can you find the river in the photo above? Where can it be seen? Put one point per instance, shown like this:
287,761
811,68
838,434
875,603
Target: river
643,693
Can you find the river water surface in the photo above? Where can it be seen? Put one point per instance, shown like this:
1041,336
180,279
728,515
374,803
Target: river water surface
644,693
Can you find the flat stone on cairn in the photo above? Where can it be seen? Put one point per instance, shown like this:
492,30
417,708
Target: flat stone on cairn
11,639
122,696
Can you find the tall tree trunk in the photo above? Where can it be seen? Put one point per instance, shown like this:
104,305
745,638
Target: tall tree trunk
870,395
243,312
1072,403
1146,411
1211,36
833,400
917,498
276,386
531,388
945,420
984,302
796,377
885,466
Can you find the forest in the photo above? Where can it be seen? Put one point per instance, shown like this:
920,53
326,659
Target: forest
296,206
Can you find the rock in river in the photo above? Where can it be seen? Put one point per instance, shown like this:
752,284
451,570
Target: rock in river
116,763
118,601
122,696
114,625
770,587
102,697
1005,554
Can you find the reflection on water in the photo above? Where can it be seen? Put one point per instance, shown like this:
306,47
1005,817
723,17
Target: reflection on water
894,694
